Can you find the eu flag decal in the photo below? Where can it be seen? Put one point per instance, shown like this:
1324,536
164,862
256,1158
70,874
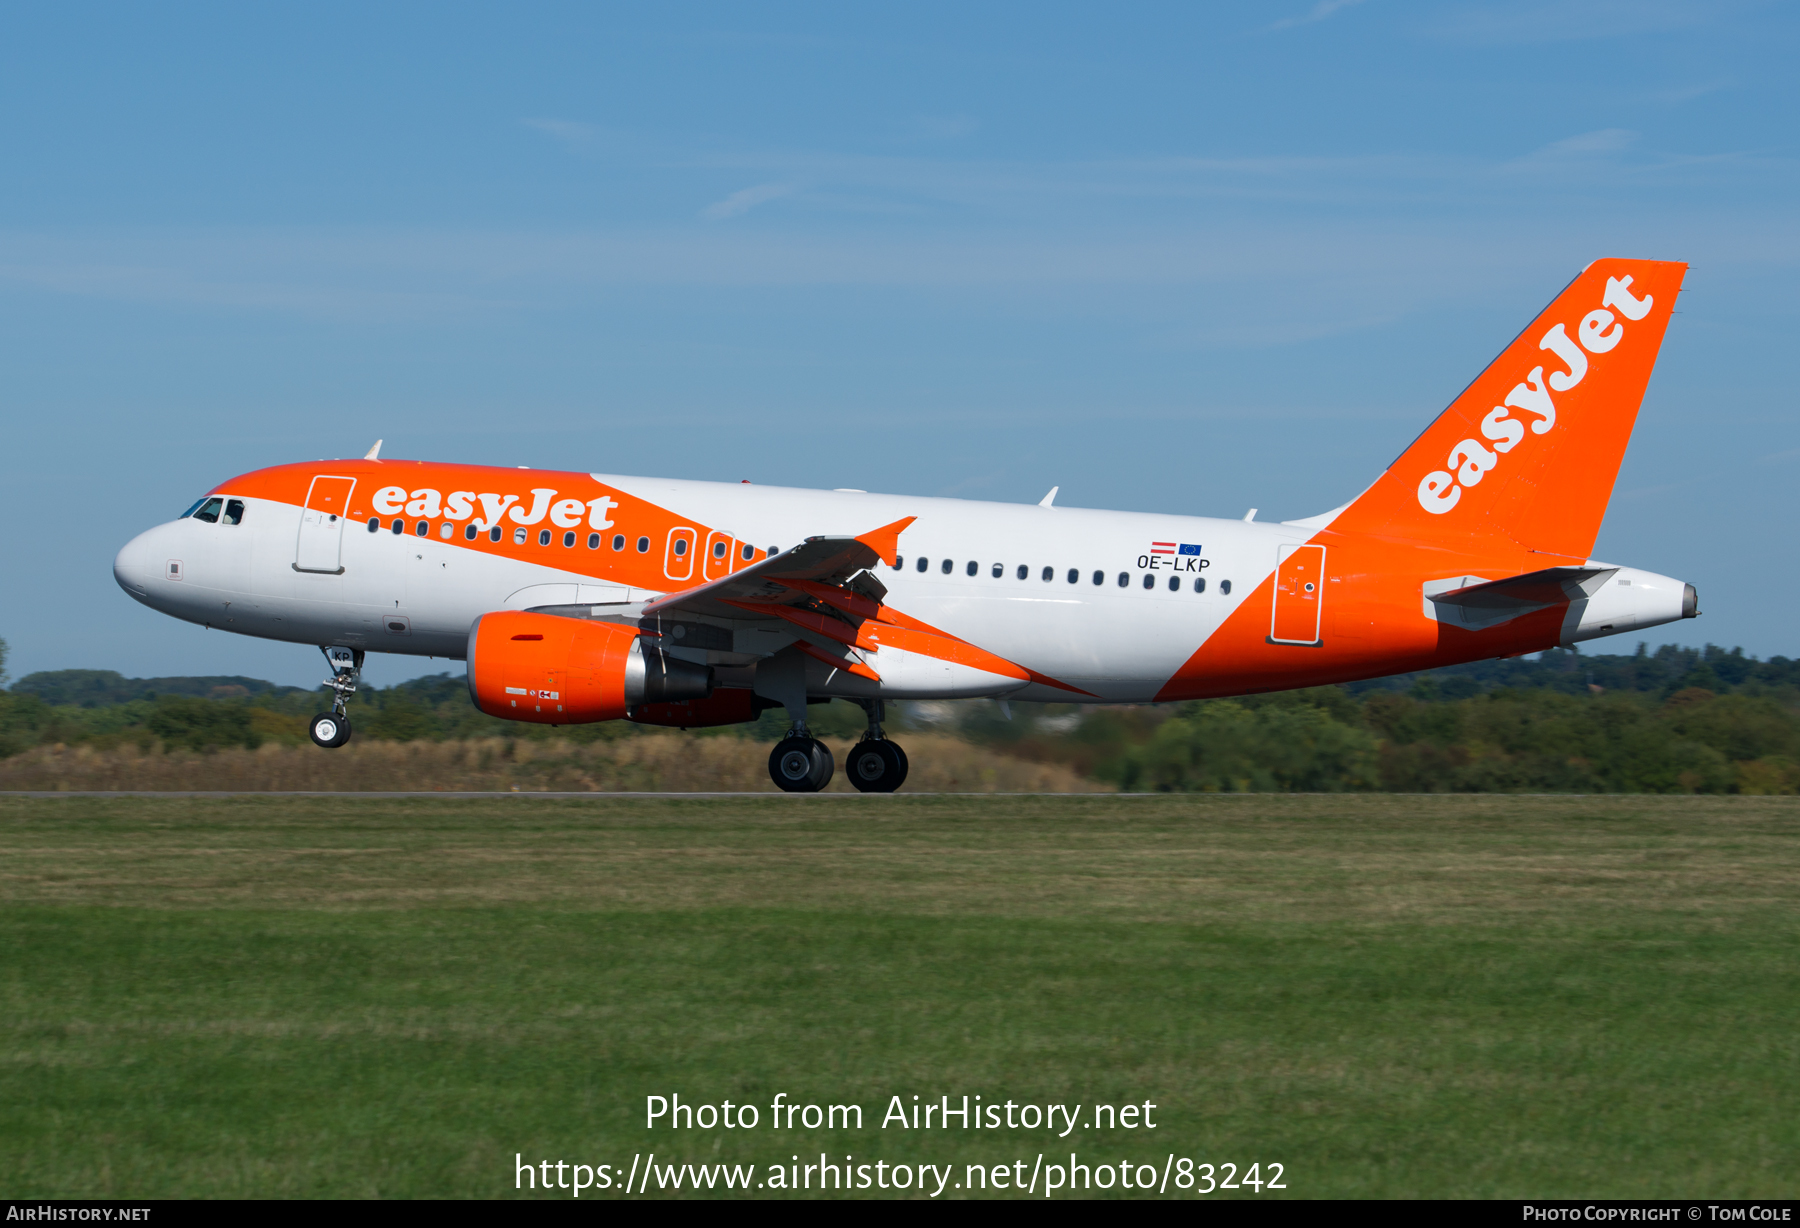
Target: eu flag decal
1187,549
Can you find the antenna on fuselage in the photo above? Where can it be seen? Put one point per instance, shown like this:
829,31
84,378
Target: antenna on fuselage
1049,500
374,453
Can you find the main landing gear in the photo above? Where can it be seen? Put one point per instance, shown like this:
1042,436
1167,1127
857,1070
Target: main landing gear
875,765
800,763
331,730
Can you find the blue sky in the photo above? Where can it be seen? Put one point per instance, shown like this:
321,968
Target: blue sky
1175,258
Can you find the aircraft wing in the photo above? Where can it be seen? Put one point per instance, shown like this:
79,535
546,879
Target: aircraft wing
808,590
829,561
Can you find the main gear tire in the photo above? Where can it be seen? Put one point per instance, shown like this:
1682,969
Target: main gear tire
800,765
329,730
876,766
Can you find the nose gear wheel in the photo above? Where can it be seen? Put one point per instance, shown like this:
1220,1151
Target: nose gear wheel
329,730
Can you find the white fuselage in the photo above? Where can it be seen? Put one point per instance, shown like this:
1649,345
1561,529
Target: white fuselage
1112,603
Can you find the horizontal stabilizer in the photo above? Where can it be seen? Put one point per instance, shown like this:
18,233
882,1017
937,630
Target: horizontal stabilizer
1535,589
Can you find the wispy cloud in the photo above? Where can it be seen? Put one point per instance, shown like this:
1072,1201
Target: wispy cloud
1263,241
567,131
746,199
1688,93
1318,12
938,127
1587,144
1573,20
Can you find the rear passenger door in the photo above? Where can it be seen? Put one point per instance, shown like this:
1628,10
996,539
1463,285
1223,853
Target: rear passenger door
1299,595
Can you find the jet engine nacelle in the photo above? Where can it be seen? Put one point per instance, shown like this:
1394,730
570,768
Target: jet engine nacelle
571,671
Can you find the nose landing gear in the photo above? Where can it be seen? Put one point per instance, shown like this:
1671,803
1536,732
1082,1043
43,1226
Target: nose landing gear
331,730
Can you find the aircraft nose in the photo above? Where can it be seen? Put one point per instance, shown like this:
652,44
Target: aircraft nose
133,567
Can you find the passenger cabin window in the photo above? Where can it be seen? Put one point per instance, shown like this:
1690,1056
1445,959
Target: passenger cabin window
518,537
422,529
1149,580
973,567
1124,579
947,565
1074,576
1200,584
618,541
1174,584
234,512
749,552
924,563
568,540
375,524
899,562
594,541
543,537
643,545
446,530
1225,587
471,533
719,550
494,533
680,547
1099,577
209,511
1049,574
999,570
399,527
1024,572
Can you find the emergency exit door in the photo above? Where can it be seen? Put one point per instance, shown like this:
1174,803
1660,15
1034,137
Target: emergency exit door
1299,595
322,525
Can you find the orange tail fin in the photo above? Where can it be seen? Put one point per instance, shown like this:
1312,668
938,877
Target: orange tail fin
1531,448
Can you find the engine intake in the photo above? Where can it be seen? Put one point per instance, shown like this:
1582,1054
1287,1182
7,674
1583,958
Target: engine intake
571,671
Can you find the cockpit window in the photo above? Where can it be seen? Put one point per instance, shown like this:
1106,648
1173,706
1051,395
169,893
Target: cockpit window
193,509
234,511
209,511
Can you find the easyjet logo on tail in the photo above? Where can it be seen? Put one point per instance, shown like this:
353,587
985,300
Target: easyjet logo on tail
1599,332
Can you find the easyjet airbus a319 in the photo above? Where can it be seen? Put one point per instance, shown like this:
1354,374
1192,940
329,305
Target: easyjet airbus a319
579,597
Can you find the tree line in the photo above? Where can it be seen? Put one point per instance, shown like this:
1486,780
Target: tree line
1674,719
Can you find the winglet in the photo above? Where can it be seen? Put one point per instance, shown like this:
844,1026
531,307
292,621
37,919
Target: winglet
885,541
1049,500
374,453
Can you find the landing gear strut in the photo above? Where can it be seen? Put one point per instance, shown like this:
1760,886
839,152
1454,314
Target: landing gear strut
876,765
800,763
331,730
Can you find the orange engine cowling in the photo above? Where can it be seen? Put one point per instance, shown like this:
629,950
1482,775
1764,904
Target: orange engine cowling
570,671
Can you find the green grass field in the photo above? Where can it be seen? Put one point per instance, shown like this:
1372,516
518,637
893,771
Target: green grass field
1389,996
